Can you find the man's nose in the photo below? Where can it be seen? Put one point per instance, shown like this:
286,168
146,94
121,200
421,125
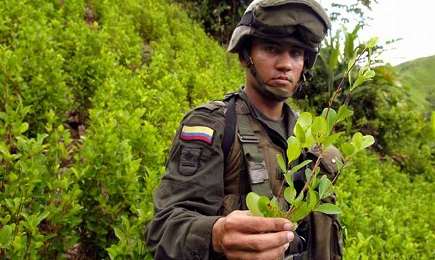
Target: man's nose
285,61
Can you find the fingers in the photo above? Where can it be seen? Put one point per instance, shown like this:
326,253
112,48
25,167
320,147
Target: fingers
244,222
242,236
259,242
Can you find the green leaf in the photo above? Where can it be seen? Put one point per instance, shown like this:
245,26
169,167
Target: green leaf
300,212
308,172
331,139
299,133
289,180
372,42
252,200
312,198
367,141
300,166
297,202
305,120
369,74
281,163
319,128
357,141
343,113
4,149
309,141
325,187
119,234
328,208
23,128
332,116
347,149
5,235
267,207
41,217
290,194
333,60
293,149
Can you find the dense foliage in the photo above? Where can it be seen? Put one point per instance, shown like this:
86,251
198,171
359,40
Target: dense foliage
91,93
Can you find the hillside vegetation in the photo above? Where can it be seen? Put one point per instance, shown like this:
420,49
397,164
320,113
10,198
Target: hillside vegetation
418,75
91,94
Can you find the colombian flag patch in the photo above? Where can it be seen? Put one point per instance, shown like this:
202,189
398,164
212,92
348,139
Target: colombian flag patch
197,133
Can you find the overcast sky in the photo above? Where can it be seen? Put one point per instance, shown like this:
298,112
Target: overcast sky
414,21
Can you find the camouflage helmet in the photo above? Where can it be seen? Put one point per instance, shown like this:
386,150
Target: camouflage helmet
303,23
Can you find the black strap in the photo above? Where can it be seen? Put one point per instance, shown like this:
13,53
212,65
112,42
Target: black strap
230,127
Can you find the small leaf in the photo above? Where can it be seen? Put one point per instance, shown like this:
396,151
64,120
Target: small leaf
312,198
305,120
372,42
331,139
348,149
281,163
308,172
293,149
333,59
5,235
252,200
4,149
369,74
332,116
343,113
328,208
319,128
289,179
325,187
299,133
23,128
290,194
297,202
300,166
367,141
119,234
309,141
300,212
264,206
357,141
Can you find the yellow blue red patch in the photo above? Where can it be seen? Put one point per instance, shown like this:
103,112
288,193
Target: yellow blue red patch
197,133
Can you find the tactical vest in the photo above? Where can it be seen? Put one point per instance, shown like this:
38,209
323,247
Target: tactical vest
251,165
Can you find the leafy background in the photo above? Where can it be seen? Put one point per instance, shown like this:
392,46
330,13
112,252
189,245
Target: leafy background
91,93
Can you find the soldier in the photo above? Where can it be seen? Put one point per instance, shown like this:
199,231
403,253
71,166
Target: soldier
224,149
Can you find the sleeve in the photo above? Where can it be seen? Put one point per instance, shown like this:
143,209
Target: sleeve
191,190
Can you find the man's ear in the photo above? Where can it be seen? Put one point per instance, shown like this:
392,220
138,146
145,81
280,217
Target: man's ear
242,60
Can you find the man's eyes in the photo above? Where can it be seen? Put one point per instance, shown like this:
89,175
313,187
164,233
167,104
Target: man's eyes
296,52
271,48
276,49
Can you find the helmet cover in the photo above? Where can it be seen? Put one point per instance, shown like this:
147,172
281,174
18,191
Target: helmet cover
303,23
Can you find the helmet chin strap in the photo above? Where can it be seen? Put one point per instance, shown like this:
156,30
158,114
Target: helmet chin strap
274,93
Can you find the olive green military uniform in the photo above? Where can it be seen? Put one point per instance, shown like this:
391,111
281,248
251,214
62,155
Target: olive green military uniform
196,190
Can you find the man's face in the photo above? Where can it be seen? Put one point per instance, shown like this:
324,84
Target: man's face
279,65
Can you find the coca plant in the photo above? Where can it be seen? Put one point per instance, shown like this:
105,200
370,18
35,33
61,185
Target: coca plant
316,131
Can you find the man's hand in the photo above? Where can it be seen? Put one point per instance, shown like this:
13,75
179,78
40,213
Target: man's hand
243,236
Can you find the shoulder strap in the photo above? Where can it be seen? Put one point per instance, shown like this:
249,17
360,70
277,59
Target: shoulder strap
230,127
253,161
254,158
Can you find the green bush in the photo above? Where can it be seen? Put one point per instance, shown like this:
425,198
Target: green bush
129,70
386,214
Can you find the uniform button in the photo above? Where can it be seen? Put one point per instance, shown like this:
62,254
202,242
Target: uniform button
333,161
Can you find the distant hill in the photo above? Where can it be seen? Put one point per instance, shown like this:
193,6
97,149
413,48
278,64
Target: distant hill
419,75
